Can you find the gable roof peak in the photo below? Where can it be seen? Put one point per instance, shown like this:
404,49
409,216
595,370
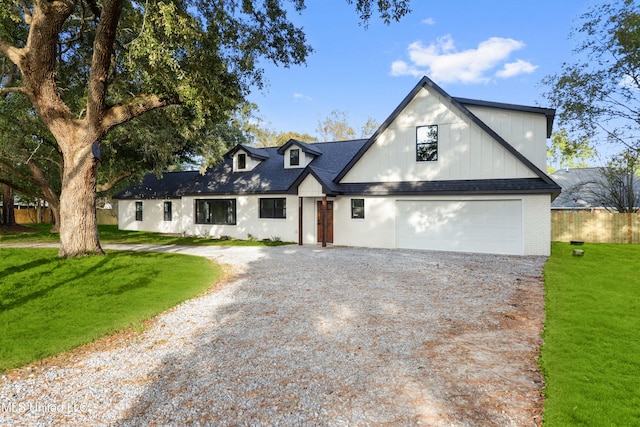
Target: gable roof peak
304,146
428,84
256,153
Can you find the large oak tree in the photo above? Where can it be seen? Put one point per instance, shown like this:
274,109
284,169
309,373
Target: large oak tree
131,57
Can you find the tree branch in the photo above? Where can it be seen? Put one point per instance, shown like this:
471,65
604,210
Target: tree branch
101,61
109,185
27,12
20,189
4,91
9,166
122,113
10,51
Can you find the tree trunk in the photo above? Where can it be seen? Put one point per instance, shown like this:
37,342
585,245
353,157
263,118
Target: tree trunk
8,214
55,217
78,222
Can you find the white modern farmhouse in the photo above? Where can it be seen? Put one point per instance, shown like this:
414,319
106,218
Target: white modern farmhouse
441,173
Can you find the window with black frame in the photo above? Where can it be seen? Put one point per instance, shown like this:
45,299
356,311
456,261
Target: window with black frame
138,211
294,157
242,161
357,208
427,143
216,211
273,208
167,211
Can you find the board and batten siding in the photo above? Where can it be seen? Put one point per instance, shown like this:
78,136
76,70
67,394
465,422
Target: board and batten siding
524,131
465,151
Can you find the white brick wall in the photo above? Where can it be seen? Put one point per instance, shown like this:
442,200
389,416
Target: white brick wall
537,224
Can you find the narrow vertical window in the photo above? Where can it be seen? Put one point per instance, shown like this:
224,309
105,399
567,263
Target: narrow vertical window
357,208
242,161
294,157
427,143
167,211
138,211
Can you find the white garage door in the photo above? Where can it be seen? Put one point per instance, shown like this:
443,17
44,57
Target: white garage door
487,226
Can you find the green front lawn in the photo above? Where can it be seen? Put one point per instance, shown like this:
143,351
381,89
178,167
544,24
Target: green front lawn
111,234
49,305
591,352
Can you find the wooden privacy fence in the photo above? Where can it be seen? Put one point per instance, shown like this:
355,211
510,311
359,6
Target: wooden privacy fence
595,227
30,216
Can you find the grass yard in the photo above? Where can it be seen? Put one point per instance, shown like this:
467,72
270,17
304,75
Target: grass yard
111,234
49,305
591,352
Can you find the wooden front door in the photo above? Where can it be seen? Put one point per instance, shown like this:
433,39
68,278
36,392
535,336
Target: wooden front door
329,221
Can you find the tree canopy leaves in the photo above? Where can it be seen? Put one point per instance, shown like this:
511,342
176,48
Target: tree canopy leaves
598,93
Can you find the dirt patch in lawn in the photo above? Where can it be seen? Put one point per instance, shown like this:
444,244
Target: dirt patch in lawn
488,377
12,229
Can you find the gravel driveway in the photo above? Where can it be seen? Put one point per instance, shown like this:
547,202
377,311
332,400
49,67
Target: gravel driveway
310,336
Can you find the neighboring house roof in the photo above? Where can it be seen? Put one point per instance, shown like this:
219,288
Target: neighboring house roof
579,186
167,186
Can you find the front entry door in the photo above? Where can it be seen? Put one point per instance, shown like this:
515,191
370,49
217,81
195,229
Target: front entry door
329,221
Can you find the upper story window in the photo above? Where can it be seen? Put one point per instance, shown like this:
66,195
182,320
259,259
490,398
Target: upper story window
427,143
294,157
242,161
273,208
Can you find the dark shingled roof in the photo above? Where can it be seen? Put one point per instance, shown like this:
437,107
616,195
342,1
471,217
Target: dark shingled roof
270,176
332,162
452,187
304,146
169,186
580,186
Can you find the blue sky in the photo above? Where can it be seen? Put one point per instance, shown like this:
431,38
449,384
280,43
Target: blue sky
490,50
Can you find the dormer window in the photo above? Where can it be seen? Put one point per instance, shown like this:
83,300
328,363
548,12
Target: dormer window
242,161
297,154
294,157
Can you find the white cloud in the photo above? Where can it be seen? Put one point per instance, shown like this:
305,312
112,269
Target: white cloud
429,21
401,68
513,69
627,82
444,63
297,95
